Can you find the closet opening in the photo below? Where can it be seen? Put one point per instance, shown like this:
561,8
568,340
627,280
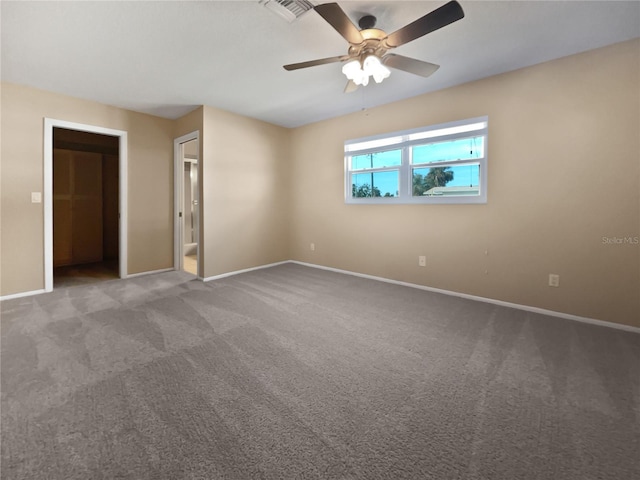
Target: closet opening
86,192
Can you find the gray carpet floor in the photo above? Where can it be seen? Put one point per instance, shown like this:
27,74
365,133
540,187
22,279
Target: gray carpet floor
297,373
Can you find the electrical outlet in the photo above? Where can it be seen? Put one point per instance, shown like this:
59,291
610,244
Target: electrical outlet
422,261
554,280
312,247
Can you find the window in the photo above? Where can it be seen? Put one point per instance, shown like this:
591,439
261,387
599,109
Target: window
438,164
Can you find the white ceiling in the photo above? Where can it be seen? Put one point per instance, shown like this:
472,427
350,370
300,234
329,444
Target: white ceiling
165,58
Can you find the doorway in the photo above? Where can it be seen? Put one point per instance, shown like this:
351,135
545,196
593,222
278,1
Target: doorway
88,179
85,207
187,205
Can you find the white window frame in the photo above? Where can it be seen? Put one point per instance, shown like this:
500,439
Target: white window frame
405,140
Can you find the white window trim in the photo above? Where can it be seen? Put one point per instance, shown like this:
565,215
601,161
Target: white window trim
402,140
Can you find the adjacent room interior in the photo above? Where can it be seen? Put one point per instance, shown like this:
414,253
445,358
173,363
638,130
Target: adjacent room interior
424,265
188,154
85,207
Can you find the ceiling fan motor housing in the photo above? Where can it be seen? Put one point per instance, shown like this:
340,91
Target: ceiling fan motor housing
368,21
372,44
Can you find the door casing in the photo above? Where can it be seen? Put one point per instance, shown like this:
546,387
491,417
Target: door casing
49,125
178,179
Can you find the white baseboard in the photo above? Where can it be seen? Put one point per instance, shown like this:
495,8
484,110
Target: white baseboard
542,311
237,272
150,272
38,292
22,294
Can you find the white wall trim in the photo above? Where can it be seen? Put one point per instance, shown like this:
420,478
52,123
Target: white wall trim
527,308
39,292
150,272
178,174
21,294
237,272
49,124
542,311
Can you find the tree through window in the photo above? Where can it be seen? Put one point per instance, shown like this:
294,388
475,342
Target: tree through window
438,164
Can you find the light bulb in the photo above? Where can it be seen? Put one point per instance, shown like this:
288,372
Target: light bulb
373,67
351,69
360,74
354,73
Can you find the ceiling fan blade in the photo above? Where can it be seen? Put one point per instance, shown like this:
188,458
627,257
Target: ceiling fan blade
313,63
411,65
351,87
440,17
336,17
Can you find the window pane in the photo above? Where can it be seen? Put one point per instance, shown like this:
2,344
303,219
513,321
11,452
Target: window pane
375,184
461,149
462,180
470,127
382,142
391,158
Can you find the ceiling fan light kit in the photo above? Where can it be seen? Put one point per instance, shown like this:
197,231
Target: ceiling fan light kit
368,46
371,67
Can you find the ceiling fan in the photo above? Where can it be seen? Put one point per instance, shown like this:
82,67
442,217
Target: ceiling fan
368,46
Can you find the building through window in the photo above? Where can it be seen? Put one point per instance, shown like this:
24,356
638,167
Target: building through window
443,163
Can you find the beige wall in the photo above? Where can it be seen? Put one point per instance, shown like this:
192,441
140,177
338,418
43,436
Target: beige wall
244,190
150,182
244,185
245,197
564,171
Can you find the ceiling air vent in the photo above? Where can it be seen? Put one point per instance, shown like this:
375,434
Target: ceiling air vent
288,9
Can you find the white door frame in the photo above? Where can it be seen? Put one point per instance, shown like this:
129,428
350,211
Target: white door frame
49,124
178,179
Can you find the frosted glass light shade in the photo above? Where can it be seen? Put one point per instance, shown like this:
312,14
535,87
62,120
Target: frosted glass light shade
353,72
371,67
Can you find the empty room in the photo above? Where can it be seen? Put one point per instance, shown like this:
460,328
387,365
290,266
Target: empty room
287,239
